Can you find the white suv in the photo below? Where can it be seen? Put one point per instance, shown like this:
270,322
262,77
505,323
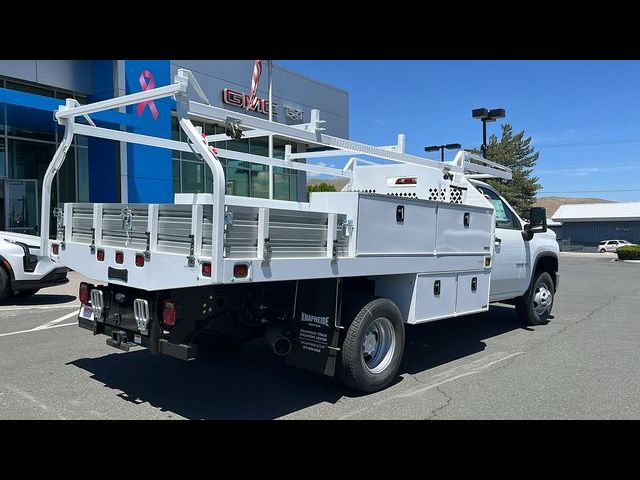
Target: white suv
612,245
23,271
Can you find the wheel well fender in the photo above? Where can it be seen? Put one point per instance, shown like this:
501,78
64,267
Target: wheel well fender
6,266
546,262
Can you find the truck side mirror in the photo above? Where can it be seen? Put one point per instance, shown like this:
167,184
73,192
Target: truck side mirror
537,222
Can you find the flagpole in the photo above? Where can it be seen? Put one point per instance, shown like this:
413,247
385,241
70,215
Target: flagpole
270,66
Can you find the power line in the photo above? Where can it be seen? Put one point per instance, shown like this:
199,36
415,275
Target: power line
595,191
582,144
589,144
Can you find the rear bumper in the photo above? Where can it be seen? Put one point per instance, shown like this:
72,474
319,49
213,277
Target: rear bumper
124,339
57,276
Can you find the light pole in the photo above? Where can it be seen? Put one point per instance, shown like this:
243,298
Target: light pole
448,146
486,116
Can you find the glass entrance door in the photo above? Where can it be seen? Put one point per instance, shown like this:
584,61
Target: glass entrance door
19,201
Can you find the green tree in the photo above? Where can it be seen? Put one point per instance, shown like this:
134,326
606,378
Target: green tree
516,152
320,187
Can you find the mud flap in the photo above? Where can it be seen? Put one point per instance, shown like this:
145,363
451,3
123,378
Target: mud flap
316,332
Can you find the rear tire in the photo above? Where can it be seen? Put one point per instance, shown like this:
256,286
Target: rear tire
4,285
534,307
602,250
373,347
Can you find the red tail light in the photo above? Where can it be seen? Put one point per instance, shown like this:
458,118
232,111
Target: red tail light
407,181
169,313
240,270
206,269
100,255
55,248
84,292
139,260
119,257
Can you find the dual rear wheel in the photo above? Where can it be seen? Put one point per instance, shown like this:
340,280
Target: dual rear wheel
373,347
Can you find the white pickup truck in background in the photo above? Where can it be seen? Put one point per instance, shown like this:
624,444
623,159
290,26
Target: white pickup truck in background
23,271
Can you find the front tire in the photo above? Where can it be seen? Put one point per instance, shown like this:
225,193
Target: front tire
534,307
373,347
4,285
602,250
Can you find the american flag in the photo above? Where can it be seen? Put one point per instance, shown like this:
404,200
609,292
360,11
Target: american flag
255,79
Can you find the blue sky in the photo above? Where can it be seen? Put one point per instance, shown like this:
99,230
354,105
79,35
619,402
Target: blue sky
583,116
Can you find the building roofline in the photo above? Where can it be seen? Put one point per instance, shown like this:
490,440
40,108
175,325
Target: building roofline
595,219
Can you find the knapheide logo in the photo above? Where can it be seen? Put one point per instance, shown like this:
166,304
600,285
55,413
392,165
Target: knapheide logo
144,76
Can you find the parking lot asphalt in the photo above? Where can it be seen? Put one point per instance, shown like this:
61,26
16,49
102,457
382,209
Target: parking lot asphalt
582,365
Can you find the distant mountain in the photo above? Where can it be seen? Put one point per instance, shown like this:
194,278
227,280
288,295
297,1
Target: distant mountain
553,203
339,183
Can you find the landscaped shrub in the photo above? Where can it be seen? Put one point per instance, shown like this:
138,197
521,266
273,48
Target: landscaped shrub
631,252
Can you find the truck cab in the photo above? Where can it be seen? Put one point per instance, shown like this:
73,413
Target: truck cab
521,253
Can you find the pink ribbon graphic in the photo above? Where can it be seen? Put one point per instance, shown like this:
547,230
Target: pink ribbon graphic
146,74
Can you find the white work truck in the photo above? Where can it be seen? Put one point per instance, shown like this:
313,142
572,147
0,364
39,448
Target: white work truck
330,282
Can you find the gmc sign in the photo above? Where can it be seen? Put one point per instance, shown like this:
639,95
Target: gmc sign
239,99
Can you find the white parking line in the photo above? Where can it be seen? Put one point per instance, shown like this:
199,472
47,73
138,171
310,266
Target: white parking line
46,326
13,308
32,399
471,369
438,379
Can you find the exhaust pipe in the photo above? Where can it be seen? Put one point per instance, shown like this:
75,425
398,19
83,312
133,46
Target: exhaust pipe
280,344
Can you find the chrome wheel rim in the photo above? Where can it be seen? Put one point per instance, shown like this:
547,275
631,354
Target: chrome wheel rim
542,300
378,345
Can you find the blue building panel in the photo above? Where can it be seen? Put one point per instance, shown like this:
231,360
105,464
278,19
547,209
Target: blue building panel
150,174
591,233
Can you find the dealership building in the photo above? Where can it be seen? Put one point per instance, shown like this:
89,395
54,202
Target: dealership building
590,223
99,170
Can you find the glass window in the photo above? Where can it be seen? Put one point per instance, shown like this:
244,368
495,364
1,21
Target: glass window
3,158
192,177
237,181
280,186
175,129
82,141
238,164
30,123
176,177
2,107
82,155
208,180
67,178
293,188
238,145
504,216
30,89
29,159
259,146
260,183
210,129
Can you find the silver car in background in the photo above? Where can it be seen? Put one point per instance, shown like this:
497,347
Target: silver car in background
612,245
